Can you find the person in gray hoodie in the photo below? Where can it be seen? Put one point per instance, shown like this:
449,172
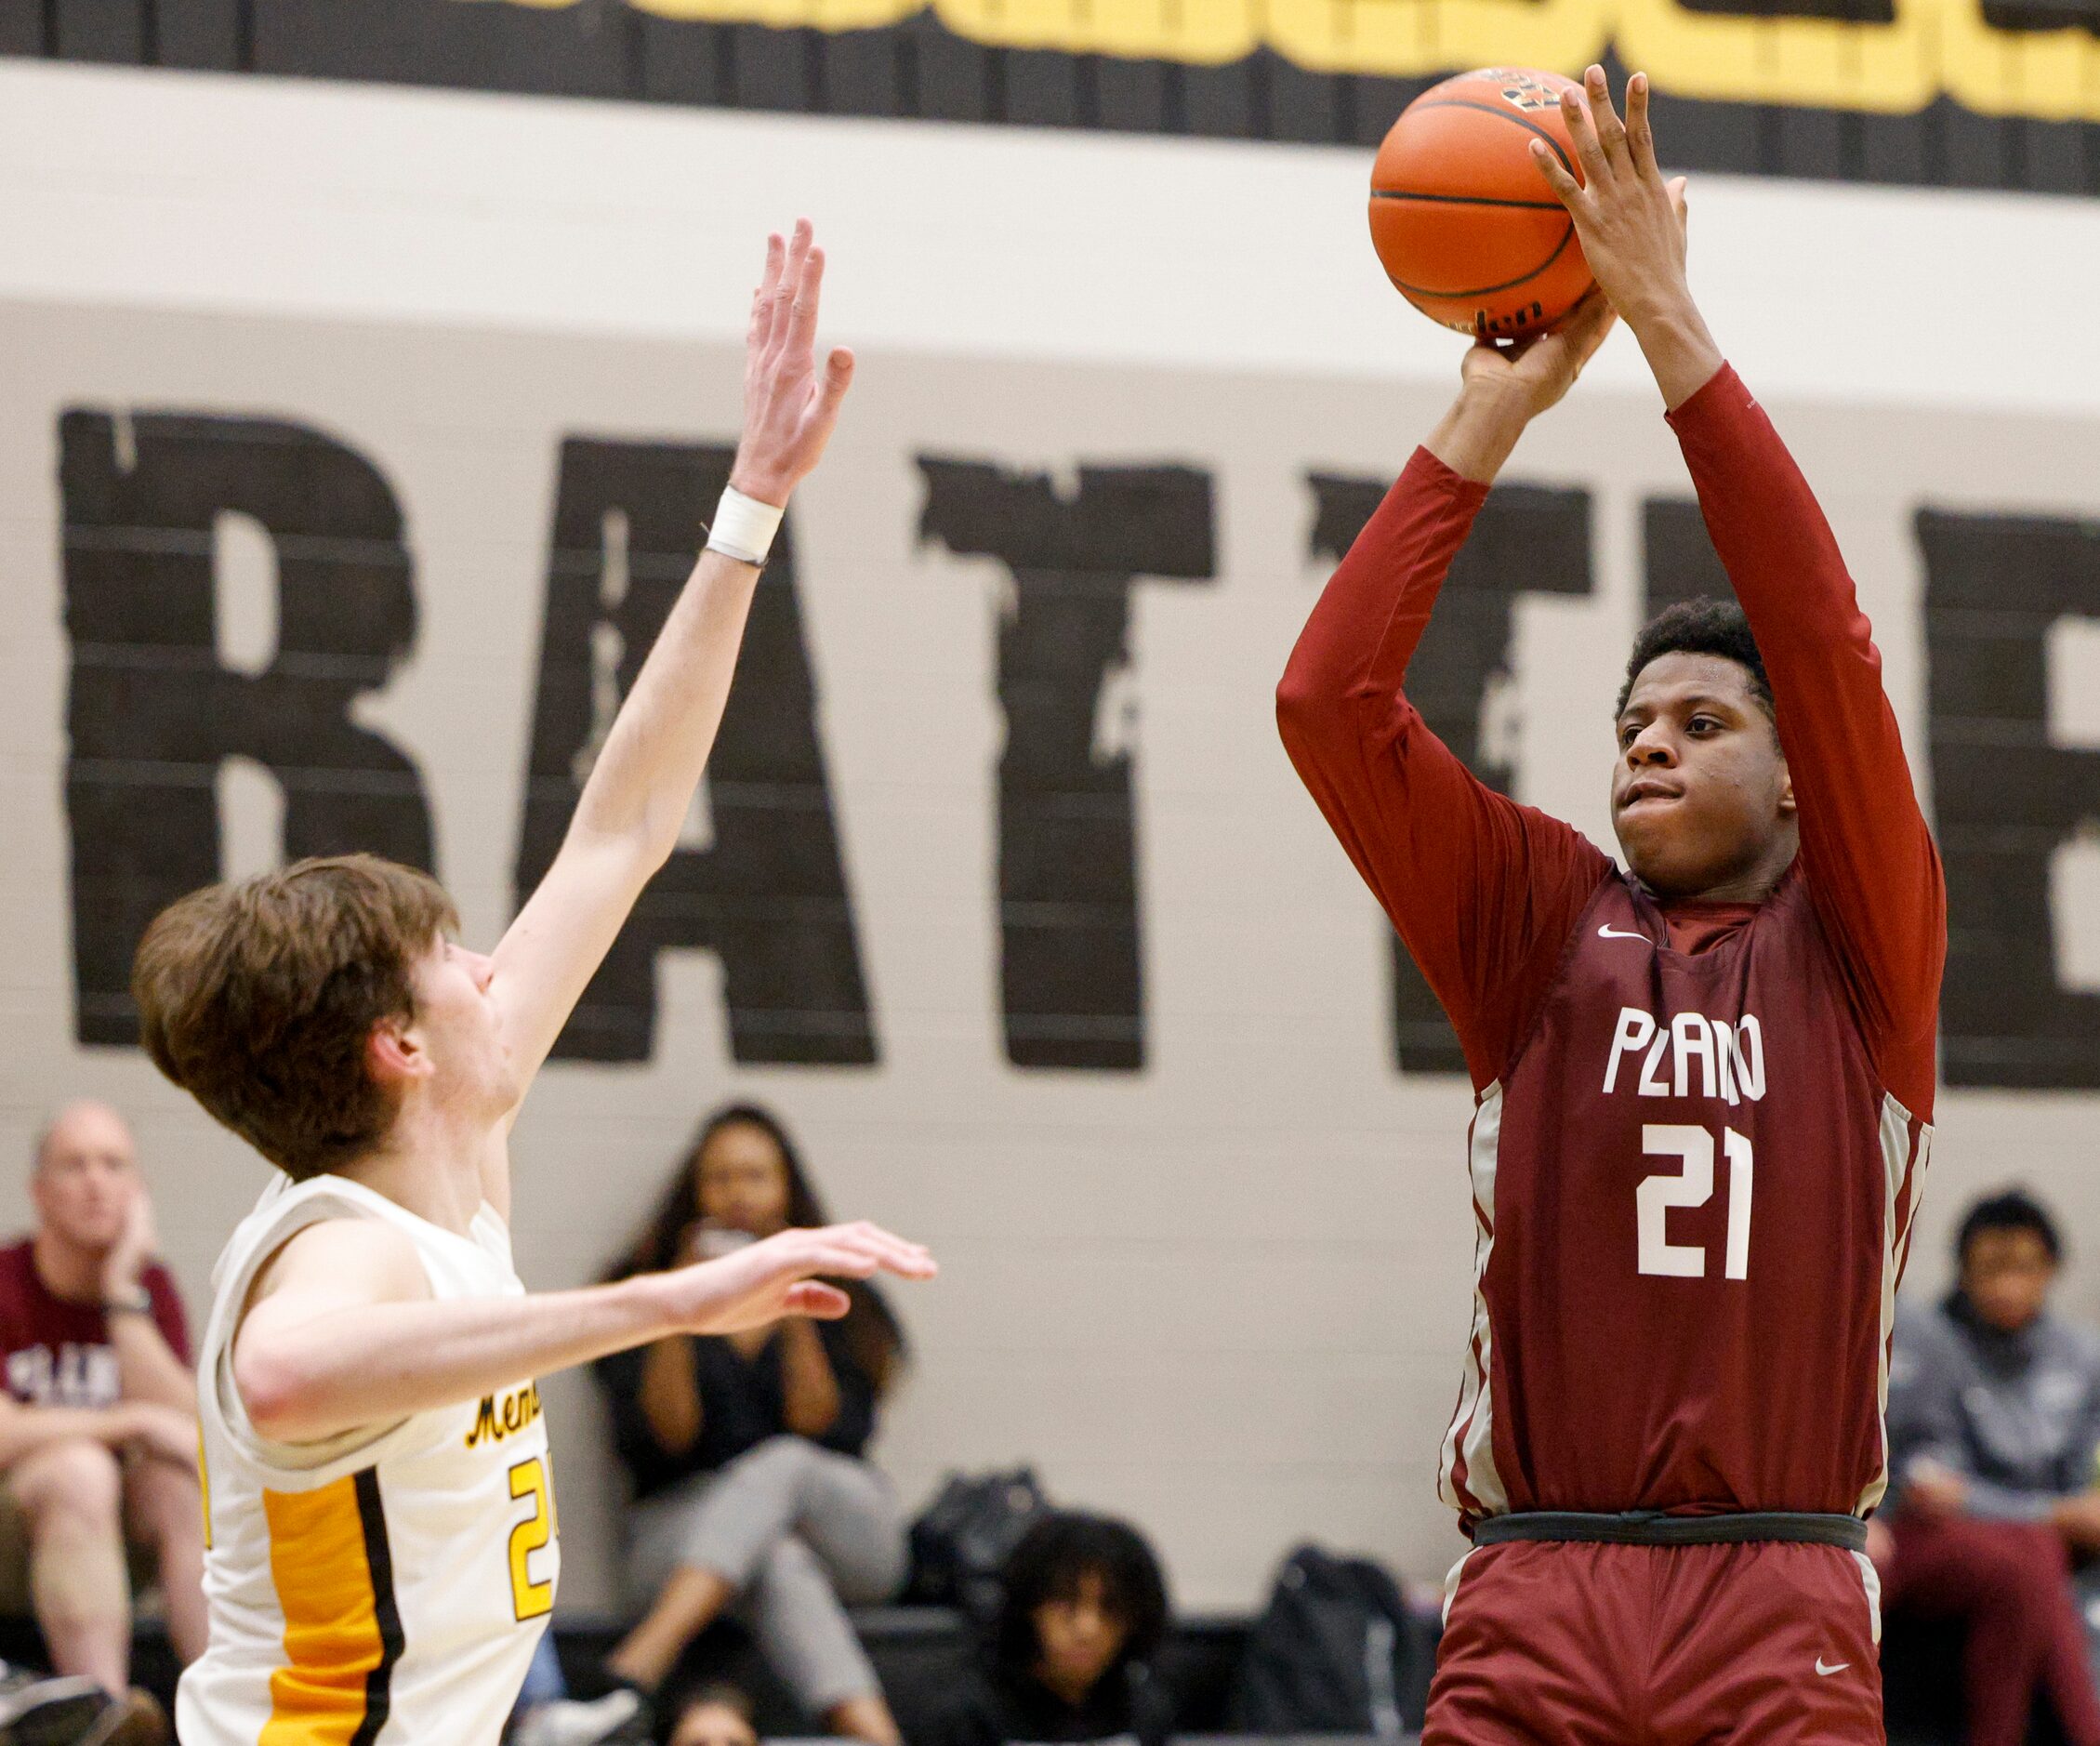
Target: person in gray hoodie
1994,1434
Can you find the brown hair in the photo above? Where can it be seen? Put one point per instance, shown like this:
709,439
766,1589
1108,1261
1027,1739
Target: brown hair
257,999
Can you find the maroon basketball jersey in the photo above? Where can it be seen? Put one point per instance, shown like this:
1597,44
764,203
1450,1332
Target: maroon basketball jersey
1700,1127
1692,1193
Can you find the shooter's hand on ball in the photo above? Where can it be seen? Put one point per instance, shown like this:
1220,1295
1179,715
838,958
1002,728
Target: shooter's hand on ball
1507,386
789,408
1631,225
1534,372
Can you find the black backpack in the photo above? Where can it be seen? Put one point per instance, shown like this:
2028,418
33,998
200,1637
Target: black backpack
1334,1652
961,1540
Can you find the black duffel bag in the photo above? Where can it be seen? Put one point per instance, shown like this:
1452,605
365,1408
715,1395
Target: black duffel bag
1333,1652
962,1540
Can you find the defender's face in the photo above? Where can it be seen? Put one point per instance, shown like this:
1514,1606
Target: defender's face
1699,794
456,1022
87,1179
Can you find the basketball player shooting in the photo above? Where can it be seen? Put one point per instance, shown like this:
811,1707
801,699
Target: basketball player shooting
1703,1085
380,1518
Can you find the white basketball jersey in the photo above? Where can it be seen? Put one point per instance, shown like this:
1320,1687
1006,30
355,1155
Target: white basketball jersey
385,1589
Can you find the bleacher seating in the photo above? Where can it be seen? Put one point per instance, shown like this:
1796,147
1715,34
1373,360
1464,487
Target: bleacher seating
918,1650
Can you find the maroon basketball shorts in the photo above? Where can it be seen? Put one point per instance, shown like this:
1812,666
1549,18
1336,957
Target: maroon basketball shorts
1554,1644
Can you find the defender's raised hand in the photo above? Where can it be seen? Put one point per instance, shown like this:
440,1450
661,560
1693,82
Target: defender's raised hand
790,408
785,1276
1632,227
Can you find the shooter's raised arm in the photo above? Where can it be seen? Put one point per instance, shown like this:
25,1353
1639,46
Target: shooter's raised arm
626,820
1482,890
1869,859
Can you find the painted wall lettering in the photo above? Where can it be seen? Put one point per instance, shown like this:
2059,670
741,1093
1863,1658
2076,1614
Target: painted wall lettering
2007,798
152,710
1528,539
1071,968
1678,559
763,884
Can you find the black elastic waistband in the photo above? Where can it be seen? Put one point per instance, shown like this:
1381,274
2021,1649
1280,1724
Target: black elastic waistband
1652,1528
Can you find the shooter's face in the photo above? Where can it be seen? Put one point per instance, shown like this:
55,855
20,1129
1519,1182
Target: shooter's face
1700,797
455,1022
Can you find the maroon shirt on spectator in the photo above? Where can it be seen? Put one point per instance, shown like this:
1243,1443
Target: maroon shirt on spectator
57,1353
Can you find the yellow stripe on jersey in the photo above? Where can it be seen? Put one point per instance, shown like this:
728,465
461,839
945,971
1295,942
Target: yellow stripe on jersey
204,1485
321,1563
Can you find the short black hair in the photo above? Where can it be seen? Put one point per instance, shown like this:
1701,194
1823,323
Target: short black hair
721,1692
2010,1209
1698,626
1053,1558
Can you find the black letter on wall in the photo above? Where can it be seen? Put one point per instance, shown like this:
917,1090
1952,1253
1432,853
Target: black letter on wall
2007,798
151,712
1071,980
1528,539
769,896
1678,556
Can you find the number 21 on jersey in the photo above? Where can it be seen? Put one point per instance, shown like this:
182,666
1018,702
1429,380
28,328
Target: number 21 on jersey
1692,1186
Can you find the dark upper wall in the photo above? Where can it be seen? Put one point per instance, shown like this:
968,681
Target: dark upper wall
1952,93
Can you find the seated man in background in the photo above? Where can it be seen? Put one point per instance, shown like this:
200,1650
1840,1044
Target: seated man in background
98,1416
1994,1427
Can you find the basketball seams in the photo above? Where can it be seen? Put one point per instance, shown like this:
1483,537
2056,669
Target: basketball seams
1421,103
1480,291
1468,200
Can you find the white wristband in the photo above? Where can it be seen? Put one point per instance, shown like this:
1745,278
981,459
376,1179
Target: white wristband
744,527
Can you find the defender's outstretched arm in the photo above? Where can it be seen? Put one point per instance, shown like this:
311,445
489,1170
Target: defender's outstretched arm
342,1332
628,819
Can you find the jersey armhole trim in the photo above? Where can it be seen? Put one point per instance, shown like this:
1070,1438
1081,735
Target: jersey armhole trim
308,1464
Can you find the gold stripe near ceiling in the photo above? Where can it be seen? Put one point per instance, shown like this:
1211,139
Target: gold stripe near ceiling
1930,49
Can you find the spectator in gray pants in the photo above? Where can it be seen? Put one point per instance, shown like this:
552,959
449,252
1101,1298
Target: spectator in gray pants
751,1493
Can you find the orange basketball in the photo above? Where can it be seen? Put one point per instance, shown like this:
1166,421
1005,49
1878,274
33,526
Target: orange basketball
1466,226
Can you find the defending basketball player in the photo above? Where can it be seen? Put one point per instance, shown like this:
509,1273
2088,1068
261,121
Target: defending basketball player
381,1516
1703,1085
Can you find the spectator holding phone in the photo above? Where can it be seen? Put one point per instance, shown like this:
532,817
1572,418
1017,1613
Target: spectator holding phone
751,1494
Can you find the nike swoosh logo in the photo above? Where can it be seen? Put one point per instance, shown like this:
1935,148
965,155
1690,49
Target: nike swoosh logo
1826,1671
1605,932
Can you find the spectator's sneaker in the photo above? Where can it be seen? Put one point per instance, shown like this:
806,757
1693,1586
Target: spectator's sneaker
37,1710
620,1718
135,1719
